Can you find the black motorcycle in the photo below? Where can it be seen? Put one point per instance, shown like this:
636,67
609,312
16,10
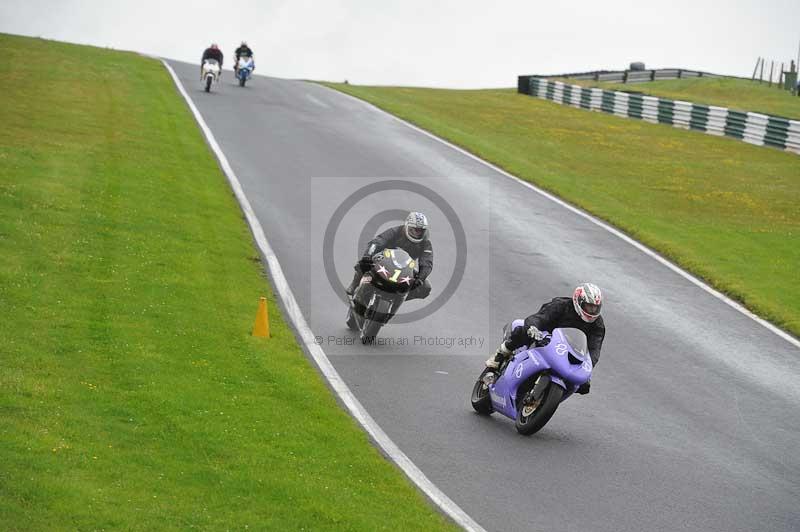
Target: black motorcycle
381,292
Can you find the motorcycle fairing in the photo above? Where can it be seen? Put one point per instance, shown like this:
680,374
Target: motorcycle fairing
552,359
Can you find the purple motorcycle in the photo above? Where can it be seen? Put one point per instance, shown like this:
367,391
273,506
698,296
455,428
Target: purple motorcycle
529,386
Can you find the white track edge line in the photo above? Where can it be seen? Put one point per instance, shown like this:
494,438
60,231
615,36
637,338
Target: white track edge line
329,372
614,231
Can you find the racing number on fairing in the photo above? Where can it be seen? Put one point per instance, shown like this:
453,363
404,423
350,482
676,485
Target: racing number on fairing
394,277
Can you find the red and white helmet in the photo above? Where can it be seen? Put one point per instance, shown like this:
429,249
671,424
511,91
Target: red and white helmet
588,300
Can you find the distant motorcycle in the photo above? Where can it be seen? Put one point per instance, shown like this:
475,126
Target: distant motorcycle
244,69
211,72
381,292
529,386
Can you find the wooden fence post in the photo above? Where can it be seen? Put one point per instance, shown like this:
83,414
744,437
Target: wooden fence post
756,69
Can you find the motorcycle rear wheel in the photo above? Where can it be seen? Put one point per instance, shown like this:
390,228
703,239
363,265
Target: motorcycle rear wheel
480,399
542,412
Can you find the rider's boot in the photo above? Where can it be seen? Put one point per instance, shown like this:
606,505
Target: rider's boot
354,284
495,360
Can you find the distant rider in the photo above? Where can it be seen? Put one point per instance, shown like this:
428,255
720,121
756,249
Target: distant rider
413,237
242,51
582,312
212,52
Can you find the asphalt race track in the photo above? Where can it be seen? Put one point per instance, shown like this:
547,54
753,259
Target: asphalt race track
693,422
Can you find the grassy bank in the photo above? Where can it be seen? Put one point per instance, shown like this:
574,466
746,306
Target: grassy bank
131,393
724,210
739,94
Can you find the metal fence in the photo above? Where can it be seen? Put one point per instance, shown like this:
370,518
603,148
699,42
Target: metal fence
754,128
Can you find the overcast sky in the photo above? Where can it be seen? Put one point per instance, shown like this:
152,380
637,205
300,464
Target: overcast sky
430,43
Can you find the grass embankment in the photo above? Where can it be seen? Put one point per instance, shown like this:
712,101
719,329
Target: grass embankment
739,94
131,393
724,210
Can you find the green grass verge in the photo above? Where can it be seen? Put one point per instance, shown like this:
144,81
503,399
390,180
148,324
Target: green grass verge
725,210
739,94
132,396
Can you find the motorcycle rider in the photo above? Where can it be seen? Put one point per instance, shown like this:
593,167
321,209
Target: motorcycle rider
582,311
212,52
242,51
413,237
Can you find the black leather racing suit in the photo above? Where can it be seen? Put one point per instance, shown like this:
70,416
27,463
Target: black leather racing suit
422,252
559,312
243,51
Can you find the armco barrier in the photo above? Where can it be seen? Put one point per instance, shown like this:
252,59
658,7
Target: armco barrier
636,76
755,128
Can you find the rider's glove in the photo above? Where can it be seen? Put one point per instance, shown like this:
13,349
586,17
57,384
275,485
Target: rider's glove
583,389
365,264
535,334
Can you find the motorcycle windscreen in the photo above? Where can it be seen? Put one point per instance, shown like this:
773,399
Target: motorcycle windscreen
576,340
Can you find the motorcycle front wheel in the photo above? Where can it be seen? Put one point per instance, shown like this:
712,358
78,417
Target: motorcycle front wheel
481,401
533,414
208,83
370,331
242,81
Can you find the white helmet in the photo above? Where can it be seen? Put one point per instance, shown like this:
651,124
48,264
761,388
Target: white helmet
588,300
416,227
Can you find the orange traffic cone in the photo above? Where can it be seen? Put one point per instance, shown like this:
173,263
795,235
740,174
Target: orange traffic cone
261,327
